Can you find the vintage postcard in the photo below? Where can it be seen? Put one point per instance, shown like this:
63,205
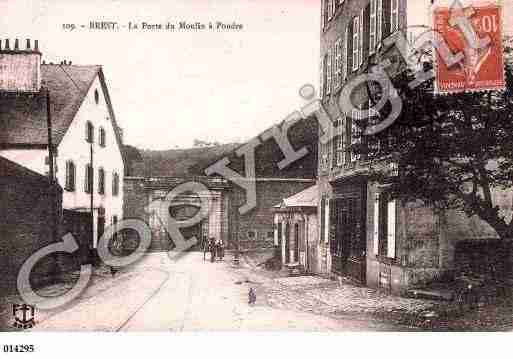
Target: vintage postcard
241,166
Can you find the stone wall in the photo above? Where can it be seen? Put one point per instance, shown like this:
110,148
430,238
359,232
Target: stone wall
259,221
28,202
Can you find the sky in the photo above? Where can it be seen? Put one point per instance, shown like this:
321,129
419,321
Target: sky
169,88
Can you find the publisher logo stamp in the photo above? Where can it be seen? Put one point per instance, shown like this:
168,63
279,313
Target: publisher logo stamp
476,33
24,316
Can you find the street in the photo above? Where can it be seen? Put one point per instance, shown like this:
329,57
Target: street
189,295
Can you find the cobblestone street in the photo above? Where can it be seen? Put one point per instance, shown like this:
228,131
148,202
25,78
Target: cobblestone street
191,294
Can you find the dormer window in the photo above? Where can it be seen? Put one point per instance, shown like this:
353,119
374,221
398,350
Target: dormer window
101,139
89,132
96,96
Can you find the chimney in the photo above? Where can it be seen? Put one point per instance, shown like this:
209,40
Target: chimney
21,68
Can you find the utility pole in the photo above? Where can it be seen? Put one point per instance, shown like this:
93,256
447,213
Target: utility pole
50,143
51,175
91,184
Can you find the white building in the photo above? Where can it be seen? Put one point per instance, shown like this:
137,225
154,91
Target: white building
87,142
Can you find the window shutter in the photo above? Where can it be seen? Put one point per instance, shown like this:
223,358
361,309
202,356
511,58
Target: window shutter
328,72
323,7
346,56
341,143
360,37
386,17
349,48
330,218
334,147
321,80
379,22
337,58
275,231
391,230
376,226
394,16
356,42
372,26
349,126
323,214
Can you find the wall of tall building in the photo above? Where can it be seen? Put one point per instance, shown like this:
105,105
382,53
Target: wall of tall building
30,211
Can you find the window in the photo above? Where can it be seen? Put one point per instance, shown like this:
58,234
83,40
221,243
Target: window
326,154
252,234
373,26
270,235
384,226
340,144
89,132
328,72
96,96
101,181
379,22
355,134
323,77
115,184
338,63
101,140
372,140
394,16
88,183
346,53
331,8
357,45
360,44
356,41
70,176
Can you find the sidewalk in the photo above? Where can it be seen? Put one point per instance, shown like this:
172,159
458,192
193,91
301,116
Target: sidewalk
101,280
326,297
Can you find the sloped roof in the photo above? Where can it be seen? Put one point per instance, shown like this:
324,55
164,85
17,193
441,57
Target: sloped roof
305,198
25,175
23,116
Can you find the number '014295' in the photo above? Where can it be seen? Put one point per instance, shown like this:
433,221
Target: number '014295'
21,348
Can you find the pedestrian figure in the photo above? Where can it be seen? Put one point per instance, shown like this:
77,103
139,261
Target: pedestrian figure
218,248
251,296
212,247
205,248
221,249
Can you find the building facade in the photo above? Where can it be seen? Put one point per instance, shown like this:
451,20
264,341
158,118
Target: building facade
146,197
365,235
296,231
253,229
88,161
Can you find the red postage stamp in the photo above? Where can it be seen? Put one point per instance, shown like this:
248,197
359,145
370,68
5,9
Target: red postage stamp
480,42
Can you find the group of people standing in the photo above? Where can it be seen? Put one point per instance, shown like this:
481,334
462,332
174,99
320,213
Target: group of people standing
216,248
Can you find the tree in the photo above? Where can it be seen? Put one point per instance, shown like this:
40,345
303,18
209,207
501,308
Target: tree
450,151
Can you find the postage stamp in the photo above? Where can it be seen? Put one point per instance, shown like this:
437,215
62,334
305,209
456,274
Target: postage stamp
480,43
